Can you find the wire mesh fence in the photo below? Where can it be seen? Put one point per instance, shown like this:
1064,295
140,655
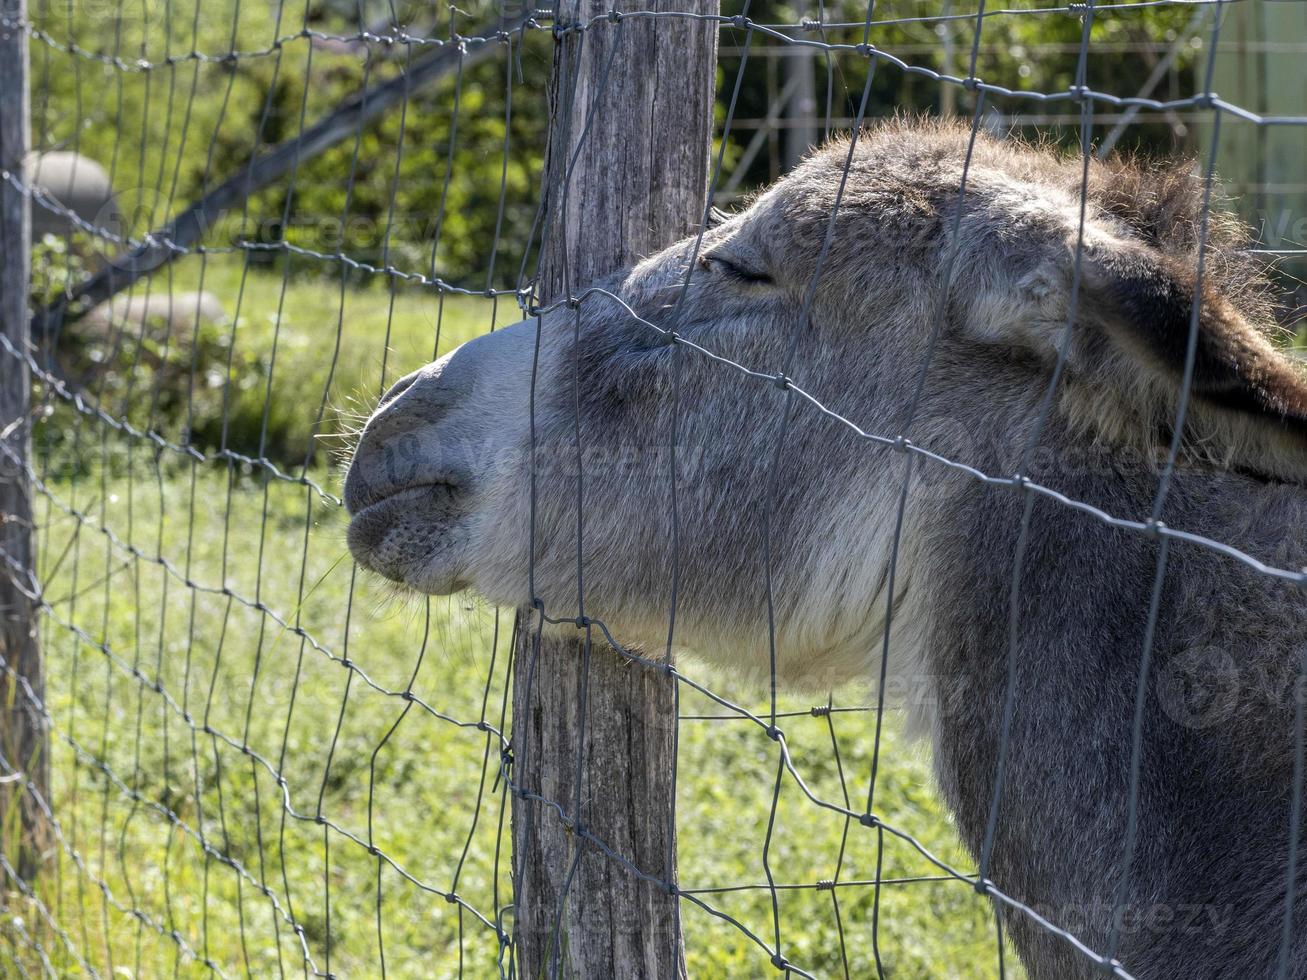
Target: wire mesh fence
250,220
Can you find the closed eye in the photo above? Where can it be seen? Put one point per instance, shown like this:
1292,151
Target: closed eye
735,270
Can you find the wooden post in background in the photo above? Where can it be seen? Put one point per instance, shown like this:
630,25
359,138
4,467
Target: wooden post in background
639,183
22,731
1262,166
802,130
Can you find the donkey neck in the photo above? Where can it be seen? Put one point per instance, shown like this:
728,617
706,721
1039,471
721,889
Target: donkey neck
1059,635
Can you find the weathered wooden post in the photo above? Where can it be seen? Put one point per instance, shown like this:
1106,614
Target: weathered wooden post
639,182
801,132
22,737
1263,163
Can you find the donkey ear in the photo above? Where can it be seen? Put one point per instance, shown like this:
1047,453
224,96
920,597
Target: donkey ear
1145,302
716,216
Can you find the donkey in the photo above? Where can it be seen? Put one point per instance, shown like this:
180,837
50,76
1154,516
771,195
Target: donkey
938,313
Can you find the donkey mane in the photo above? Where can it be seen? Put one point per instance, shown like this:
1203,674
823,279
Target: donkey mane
1162,201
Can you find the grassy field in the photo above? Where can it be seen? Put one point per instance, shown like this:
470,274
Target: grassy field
176,705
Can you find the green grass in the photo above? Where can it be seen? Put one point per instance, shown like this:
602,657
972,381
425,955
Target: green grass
425,792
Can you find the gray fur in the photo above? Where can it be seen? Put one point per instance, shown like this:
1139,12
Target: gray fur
439,492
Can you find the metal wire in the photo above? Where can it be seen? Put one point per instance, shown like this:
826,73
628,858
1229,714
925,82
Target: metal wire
165,740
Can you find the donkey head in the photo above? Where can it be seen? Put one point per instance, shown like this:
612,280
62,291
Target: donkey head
918,285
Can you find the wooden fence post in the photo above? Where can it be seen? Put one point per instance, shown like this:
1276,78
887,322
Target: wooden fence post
22,729
639,183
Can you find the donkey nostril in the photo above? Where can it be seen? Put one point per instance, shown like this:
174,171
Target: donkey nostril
399,387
